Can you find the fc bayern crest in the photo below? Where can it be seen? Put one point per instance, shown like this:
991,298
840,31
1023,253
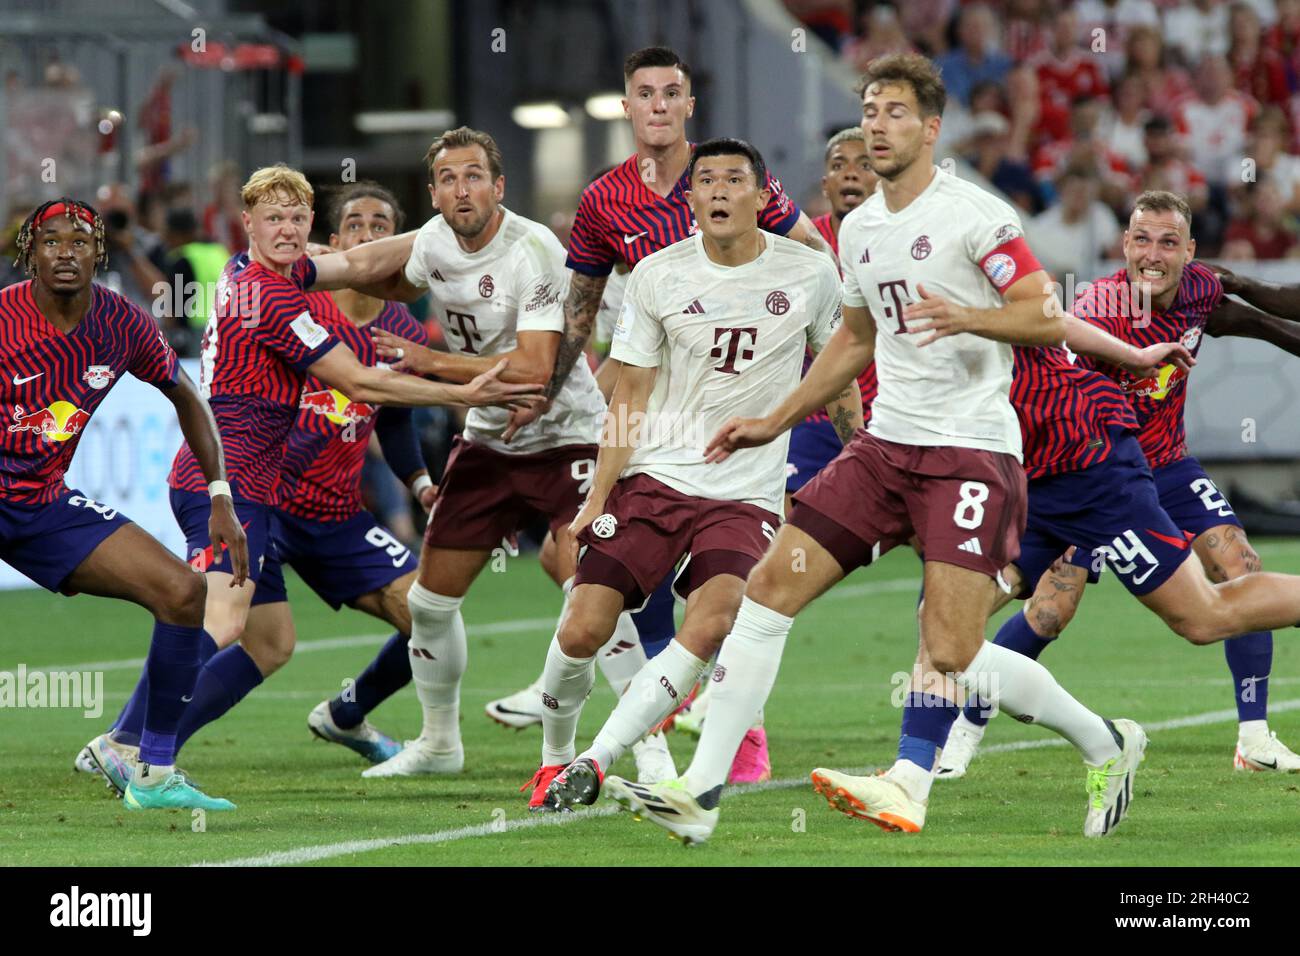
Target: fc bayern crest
98,376
486,287
921,248
778,303
604,526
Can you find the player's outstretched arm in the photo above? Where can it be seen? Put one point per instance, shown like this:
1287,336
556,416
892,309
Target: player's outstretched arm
845,412
580,308
200,431
340,369
618,439
1084,338
804,231
831,374
1279,300
395,429
531,360
1031,315
1235,319
374,268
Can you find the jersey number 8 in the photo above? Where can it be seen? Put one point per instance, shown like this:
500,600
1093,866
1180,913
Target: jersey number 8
969,513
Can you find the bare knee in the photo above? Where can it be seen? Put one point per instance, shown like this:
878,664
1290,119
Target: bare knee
182,599
269,652
582,635
704,633
768,585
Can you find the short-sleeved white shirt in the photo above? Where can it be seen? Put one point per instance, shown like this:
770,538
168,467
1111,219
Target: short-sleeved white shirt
958,241
728,342
516,283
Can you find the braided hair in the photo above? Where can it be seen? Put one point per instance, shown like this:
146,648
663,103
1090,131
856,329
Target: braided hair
75,211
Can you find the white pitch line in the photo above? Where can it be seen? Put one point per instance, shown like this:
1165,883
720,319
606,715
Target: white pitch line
507,626
311,854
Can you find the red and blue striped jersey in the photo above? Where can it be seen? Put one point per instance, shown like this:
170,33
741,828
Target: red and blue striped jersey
321,475
621,219
258,344
867,377
53,381
1065,411
1158,401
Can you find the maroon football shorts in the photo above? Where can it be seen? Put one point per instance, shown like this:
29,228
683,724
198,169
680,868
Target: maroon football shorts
648,527
486,495
966,505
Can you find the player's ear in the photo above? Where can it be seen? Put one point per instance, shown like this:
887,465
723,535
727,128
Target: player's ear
334,240
690,107
499,189
627,113
433,196
824,192
248,221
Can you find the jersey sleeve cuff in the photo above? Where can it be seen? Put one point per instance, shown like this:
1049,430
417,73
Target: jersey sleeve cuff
595,269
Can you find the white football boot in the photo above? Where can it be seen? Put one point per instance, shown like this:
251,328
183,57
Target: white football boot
1110,786
418,757
960,749
521,709
654,764
670,805
1262,751
878,799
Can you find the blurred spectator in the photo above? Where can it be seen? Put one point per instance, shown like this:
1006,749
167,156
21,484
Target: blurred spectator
137,261
1283,36
1257,70
882,33
831,20
223,216
1197,29
926,22
1266,159
1162,82
959,119
194,266
1025,29
1072,236
155,121
1262,227
1065,71
1085,150
1166,169
1115,19
1123,125
1213,122
988,151
977,56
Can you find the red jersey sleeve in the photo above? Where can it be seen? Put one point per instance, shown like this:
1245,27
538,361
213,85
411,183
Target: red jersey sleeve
150,359
285,326
1105,304
591,247
780,214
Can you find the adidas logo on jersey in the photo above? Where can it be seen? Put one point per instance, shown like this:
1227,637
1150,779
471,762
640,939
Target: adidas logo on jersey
438,275
973,546
866,257
694,308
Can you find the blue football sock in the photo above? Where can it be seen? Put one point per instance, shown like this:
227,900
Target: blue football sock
1250,658
927,718
171,667
654,623
223,682
1016,635
388,673
130,722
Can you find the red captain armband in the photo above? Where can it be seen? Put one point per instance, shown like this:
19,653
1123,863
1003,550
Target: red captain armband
1008,262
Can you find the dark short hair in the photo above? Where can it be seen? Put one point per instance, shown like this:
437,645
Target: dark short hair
725,146
850,134
653,56
182,220
463,136
914,70
1157,124
366,189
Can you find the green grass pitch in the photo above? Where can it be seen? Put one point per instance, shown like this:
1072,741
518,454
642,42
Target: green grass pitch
304,801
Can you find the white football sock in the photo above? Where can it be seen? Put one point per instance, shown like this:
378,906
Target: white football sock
149,775
566,682
742,681
1025,688
622,656
913,778
438,657
657,688
1252,731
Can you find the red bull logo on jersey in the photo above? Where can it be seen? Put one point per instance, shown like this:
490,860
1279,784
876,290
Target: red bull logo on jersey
1157,386
58,422
336,406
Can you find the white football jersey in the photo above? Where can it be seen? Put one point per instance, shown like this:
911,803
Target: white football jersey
516,283
953,392
611,303
728,342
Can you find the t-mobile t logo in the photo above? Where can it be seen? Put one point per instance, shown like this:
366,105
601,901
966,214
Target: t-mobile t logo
468,326
895,289
734,350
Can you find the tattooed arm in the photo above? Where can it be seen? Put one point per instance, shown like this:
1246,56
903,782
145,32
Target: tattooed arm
580,309
846,412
